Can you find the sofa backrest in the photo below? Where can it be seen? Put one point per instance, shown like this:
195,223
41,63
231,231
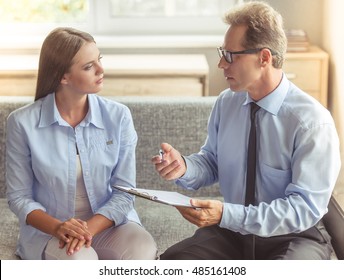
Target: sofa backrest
182,122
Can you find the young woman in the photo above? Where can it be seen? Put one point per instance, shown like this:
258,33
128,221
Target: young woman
64,152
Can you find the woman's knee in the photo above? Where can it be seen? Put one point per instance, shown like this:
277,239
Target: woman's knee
127,242
142,245
54,252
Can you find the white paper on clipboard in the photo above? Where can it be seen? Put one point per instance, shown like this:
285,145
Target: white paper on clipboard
165,197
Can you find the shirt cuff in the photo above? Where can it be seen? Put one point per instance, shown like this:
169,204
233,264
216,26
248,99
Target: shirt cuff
233,216
190,171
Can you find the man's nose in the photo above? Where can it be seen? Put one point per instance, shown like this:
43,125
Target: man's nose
223,64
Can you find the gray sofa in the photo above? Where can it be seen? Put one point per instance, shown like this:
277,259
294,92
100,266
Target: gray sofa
179,121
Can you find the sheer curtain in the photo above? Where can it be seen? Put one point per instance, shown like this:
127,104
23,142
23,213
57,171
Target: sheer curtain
334,44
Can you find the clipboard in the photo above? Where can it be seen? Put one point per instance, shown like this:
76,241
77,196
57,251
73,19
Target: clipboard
164,197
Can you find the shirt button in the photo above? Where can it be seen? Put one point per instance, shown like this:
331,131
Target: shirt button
87,173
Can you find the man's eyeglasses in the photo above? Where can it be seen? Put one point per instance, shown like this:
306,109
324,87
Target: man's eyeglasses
228,55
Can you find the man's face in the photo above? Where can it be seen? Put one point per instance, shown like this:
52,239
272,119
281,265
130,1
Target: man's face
244,70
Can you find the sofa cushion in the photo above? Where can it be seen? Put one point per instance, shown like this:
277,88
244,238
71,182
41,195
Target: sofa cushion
9,231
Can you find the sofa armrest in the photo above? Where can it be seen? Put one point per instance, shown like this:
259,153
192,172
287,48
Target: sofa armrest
334,223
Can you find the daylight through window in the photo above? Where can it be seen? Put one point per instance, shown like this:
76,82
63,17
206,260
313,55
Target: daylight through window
114,17
43,11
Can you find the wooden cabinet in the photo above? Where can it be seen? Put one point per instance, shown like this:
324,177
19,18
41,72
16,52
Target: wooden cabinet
309,71
18,74
150,75
164,75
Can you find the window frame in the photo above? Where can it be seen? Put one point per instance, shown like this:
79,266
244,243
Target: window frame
105,25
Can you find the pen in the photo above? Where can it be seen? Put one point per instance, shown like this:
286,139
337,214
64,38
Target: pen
161,153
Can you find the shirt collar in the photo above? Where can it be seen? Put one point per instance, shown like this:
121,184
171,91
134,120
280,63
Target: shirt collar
94,114
48,105
273,101
47,118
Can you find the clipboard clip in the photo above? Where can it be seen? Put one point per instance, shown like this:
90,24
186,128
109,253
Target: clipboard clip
143,194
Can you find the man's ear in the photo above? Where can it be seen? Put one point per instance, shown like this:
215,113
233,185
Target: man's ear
265,57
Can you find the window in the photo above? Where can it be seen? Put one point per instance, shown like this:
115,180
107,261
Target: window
164,8
37,17
115,17
39,11
162,17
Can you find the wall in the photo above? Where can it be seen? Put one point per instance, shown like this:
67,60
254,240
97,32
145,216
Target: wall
333,38
305,14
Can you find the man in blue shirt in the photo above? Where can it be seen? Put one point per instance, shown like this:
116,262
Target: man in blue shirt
297,155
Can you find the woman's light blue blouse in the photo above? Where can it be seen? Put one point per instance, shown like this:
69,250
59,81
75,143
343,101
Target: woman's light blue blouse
41,164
